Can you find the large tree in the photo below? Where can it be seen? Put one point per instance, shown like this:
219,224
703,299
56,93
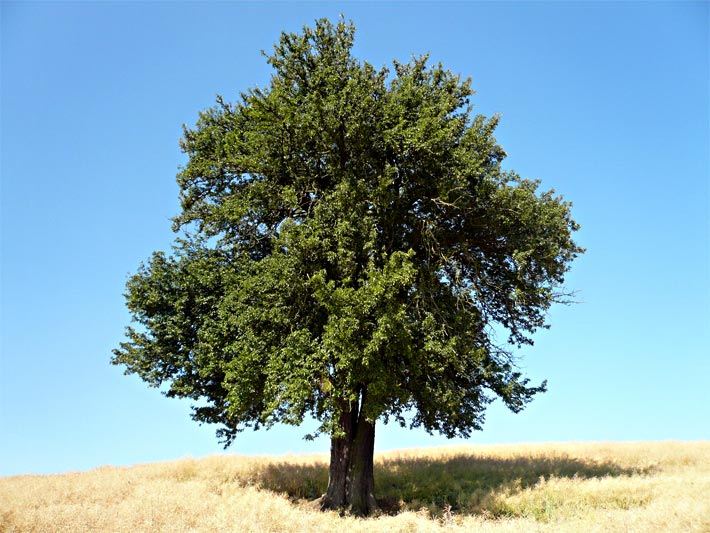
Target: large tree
347,246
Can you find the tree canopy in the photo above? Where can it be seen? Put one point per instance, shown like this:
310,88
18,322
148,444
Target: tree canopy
348,242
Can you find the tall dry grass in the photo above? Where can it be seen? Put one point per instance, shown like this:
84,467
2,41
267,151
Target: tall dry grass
555,487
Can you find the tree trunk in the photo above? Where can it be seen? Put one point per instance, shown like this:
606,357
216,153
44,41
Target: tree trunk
361,484
351,482
340,449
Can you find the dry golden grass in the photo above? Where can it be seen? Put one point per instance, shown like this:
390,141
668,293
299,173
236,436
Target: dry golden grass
555,487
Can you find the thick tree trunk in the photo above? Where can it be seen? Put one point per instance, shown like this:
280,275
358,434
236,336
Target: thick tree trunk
340,449
361,484
351,482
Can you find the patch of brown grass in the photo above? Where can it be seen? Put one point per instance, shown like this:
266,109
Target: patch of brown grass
555,487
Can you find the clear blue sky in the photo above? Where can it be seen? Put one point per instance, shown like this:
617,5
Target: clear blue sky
606,102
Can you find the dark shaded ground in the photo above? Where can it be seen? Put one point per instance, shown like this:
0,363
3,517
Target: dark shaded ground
468,483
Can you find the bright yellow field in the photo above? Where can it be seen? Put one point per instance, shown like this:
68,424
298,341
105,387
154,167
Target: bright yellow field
556,487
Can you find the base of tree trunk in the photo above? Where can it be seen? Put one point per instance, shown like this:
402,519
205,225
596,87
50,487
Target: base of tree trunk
351,485
324,503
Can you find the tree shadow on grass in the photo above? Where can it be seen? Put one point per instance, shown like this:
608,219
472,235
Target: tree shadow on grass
465,483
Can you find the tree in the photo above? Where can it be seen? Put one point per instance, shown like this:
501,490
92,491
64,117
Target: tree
348,243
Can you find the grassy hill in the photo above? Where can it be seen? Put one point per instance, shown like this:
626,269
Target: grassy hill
556,487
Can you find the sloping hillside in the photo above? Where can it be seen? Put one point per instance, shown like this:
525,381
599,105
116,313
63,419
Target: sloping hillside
555,487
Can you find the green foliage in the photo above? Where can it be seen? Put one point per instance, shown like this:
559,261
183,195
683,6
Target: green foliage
347,229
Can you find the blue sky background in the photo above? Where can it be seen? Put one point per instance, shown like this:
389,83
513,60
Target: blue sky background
606,102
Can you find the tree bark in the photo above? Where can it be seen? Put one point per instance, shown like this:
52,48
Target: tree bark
340,449
351,484
360,493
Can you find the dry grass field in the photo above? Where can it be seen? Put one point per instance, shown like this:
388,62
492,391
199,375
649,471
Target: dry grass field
556,487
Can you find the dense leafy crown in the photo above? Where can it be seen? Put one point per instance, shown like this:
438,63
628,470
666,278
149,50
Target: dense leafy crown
347,230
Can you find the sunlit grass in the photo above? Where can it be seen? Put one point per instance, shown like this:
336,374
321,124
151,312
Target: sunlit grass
560,487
